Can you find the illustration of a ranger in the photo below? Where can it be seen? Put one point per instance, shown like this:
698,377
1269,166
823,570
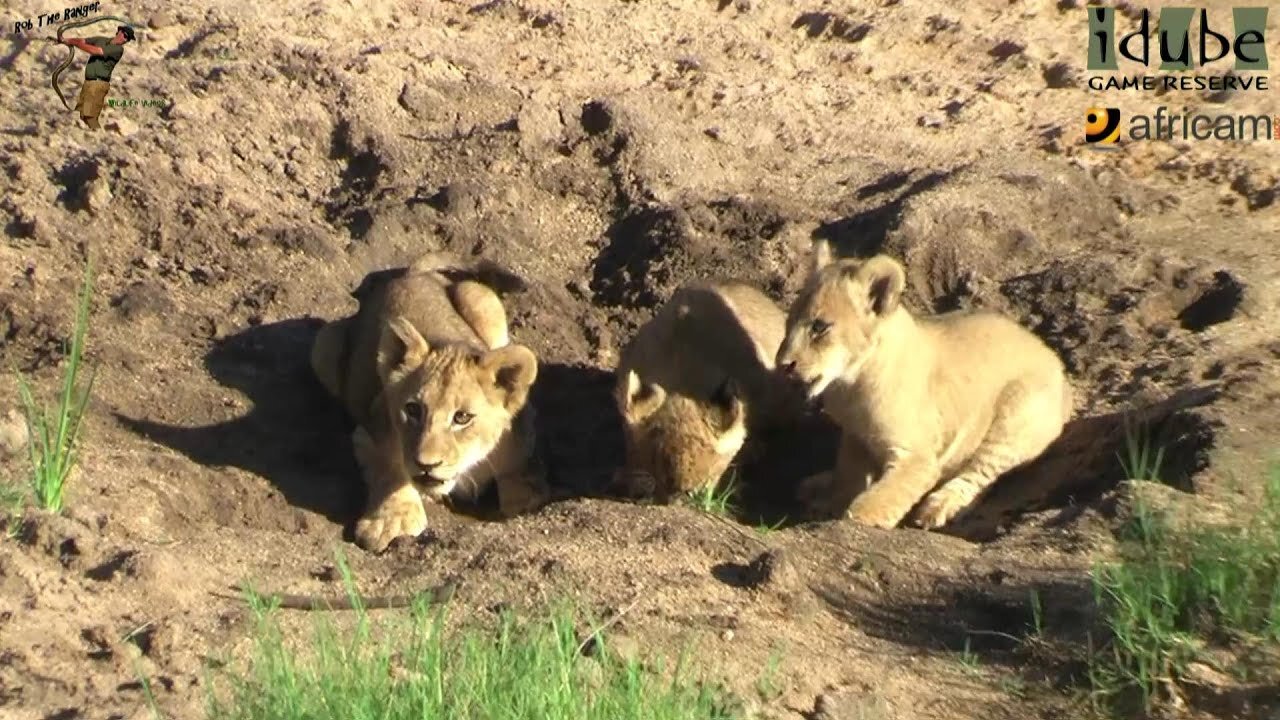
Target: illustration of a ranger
104,54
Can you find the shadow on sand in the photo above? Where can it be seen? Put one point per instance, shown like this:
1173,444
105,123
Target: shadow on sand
293,435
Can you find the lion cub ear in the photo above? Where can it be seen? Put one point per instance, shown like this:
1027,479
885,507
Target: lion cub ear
511,370
880,280
637,400
399,346
728,417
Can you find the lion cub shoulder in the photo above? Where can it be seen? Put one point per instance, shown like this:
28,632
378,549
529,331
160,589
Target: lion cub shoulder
439,394
937,408
695,381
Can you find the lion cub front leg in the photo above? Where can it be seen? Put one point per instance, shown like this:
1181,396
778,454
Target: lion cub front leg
522,492
394,507
1028,419
906,478
828,494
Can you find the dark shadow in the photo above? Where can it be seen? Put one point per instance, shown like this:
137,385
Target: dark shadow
17,46
579,431
1085,462
772,465
108,569
988,620
885,183
1217,304
295,436
363,167
74,176
816,23
736,575
187,47
863,234
643,249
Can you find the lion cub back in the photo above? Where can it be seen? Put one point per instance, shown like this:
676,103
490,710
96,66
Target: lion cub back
708,332
422,298
695,379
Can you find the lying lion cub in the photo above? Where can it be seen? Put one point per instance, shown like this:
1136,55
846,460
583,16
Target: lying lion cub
958,399
427,371
694,381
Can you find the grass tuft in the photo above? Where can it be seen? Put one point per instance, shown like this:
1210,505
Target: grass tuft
12,498
411,667
53,434
1173,595
1142,458
716,498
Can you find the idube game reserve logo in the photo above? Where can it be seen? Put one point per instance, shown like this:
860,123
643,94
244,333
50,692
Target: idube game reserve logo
1180,50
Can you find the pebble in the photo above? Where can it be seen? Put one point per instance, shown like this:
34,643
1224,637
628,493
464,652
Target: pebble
13,433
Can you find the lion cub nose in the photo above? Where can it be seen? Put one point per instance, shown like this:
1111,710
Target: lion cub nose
789,368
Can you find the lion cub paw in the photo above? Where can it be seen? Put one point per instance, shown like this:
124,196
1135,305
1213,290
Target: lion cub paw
397,517
522,494
944,504
866,512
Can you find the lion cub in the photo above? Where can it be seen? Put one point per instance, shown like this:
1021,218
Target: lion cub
438,392
935,408
695,381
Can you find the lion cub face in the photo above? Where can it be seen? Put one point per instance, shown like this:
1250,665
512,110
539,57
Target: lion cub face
676,444
448,407
833,325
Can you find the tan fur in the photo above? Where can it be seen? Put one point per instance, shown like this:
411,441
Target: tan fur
695,381
932,408
429,342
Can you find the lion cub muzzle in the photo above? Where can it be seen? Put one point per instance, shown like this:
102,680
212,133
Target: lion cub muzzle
833,326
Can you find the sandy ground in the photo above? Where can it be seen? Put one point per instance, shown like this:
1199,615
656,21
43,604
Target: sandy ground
608,151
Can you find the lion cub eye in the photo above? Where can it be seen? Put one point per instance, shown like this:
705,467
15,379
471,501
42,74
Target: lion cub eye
818,328
412,412
462,418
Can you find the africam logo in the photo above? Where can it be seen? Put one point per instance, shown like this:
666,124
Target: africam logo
1102,126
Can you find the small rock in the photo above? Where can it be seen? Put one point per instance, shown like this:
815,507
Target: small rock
97,195
123,125
1202,674
727,635
930,120
13,433
159,19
